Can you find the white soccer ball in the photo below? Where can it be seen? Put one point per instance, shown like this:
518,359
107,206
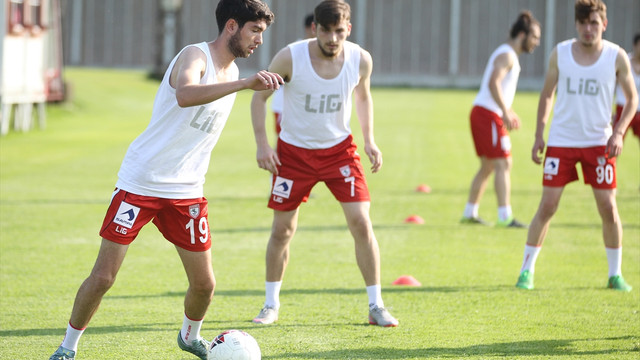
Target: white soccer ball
234,345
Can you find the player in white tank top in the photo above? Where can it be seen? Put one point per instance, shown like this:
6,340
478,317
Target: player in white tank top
508,84
583,72
318,119
320,76
584,97
492,117
163,170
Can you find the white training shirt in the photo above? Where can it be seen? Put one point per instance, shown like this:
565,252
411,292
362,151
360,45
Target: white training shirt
620,99
508,85
317,111
582,112
170,158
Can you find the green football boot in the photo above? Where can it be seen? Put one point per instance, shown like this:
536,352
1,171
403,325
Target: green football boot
525,280
617,283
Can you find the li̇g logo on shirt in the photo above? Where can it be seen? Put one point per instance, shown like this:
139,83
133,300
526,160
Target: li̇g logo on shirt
126,215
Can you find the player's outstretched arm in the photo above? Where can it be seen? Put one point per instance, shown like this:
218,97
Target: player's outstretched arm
191,66
625,80
364,110
544,107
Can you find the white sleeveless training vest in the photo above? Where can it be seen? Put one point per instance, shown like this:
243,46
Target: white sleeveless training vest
584,98
316,111
170,158
509,83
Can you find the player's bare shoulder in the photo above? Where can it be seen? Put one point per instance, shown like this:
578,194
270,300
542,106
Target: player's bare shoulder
366,63
192,59
282,64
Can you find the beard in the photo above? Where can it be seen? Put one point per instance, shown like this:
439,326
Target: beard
326,53
527,46
235,47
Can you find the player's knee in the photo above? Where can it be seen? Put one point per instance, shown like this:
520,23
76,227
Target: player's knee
547,209
101,283
203,288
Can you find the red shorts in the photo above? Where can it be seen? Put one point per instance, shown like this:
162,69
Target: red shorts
490,136
634,125
182,221
338,167
560,167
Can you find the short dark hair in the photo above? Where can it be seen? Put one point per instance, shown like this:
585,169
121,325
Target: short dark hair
584,8
308,20
331,12
524,23
636,38
242,11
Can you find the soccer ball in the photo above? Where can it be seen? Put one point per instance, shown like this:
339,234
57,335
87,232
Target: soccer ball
234,345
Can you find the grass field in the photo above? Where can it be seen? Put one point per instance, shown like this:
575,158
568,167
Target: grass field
55,186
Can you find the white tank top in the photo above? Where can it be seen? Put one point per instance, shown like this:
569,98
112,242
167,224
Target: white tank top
170,158
317,111
508,84
620,99
582,113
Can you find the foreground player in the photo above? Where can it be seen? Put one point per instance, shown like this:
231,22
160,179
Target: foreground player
634,59
585,71
162,175
492,118
316,144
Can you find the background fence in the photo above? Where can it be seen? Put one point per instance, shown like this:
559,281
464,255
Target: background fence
413,42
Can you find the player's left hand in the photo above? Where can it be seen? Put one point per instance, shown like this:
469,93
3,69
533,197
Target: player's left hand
375,156
265,80
614,145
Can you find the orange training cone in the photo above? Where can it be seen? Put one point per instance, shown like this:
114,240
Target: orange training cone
414,219
423,188
406,280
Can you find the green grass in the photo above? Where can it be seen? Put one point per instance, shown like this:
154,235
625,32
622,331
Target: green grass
55,186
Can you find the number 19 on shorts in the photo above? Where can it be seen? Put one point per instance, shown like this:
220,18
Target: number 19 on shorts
203,228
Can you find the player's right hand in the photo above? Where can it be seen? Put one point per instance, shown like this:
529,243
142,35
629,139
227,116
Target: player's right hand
268,159
538,149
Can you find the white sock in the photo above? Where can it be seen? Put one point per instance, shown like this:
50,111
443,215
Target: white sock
190,329
614,259
272,294
530,257
71,338
471,210
375,295
504,212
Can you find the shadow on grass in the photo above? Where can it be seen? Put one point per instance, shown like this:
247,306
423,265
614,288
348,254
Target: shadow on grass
93,330
336,291
556,347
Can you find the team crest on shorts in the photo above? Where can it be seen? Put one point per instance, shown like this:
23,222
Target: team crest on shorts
194,211
282,187
601,160
126,215
551,165
345,170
